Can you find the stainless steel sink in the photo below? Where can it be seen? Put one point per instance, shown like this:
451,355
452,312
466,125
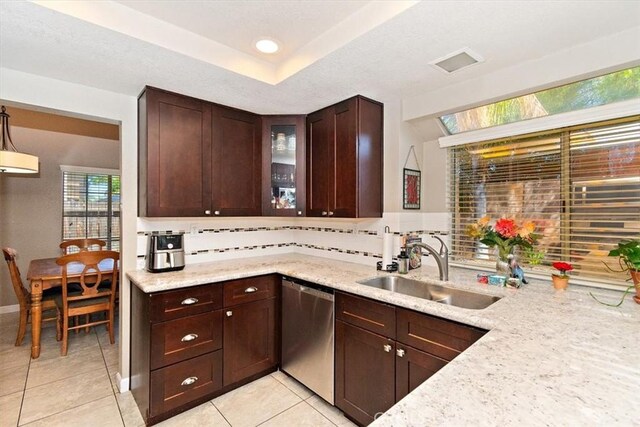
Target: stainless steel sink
441,294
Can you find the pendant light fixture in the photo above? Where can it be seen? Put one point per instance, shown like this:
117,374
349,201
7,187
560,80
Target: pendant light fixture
11,161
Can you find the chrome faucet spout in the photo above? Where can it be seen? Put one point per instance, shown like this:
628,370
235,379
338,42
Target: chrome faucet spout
441,256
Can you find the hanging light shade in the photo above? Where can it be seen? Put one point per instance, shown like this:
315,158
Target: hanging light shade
11,161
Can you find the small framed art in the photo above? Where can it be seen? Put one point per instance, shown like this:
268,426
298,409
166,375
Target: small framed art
411,190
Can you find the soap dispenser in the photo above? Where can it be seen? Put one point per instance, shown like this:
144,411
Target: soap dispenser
403,262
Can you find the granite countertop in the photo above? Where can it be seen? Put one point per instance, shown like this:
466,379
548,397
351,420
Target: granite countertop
551,357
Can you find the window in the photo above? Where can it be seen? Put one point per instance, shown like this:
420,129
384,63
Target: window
614,87
91,205
580,185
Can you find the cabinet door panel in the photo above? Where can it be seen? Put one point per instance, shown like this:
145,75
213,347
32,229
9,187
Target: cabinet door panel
237,162
413,368
318,163
344,170
365,372
178,155
249,339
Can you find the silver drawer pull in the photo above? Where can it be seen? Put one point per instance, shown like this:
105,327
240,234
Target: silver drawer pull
251,290
189,381
387,348
189,301
189,337
400,352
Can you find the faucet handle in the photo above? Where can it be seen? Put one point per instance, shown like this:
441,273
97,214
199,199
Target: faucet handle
443,247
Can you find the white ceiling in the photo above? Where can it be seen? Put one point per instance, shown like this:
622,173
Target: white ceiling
331,50
292,23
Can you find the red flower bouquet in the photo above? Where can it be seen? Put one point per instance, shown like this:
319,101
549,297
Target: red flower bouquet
505,234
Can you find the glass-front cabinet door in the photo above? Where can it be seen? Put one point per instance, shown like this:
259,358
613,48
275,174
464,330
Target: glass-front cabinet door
283,165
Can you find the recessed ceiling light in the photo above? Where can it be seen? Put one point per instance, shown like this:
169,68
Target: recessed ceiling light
457,60
267,46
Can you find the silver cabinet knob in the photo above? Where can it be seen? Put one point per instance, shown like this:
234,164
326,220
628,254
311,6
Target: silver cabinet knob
207,212
189,301
400,352
324,213
330,213
250,290
189,337
189,381
387,348
216,212
229,313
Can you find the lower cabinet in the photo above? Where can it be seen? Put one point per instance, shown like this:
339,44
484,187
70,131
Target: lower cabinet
384,352
249,340
192,344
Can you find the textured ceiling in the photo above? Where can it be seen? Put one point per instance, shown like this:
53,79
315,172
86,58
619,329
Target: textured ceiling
387,62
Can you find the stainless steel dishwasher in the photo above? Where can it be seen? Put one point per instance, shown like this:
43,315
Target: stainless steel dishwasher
307,335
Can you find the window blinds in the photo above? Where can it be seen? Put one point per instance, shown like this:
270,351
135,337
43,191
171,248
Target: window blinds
91,207
581,187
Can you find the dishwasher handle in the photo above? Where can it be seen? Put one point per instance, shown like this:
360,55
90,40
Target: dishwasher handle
306,289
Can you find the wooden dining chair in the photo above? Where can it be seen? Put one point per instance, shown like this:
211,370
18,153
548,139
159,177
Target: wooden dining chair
92,298
24,297
81,244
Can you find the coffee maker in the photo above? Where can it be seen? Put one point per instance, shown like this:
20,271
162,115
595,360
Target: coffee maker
165,252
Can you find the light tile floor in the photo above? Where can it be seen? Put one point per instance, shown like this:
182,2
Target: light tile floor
80,389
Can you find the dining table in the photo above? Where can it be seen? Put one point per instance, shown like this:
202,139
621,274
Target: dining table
46,274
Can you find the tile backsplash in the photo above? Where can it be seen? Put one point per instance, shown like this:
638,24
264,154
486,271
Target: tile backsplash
354,240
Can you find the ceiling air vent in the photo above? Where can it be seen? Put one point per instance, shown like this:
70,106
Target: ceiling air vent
457,60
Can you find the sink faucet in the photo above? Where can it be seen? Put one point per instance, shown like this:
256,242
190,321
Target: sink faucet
441,257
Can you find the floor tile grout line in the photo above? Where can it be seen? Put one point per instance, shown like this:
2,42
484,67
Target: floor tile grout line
104,360
220,412
24,390
292,390
318,411
281,412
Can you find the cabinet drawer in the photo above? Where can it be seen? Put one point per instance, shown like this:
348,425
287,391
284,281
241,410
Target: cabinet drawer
250,289
185,302
180,339
442,338
183,382
373,316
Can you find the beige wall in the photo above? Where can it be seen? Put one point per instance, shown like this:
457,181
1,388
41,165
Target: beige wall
31,205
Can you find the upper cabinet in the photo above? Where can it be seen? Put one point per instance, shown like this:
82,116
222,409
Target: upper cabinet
237,163
283,178
345,160
174,155
196,158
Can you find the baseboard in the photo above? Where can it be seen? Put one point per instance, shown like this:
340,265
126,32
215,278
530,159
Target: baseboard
9,308
123,383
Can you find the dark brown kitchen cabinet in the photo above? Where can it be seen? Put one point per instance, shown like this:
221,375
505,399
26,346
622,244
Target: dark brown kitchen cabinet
384,352
196,158
250,318
345,160
192,344
283,165
364,371
237,163
174,154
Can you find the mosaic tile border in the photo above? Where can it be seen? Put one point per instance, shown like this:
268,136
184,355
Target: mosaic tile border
279,245
296,227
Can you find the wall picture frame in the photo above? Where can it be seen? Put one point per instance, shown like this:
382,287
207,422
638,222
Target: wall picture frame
411,188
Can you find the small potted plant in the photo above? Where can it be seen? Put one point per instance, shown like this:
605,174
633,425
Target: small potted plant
628,254
561,281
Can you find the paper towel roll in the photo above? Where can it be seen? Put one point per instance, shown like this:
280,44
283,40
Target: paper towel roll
387,249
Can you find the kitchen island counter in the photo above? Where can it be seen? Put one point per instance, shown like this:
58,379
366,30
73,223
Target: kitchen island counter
551,357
